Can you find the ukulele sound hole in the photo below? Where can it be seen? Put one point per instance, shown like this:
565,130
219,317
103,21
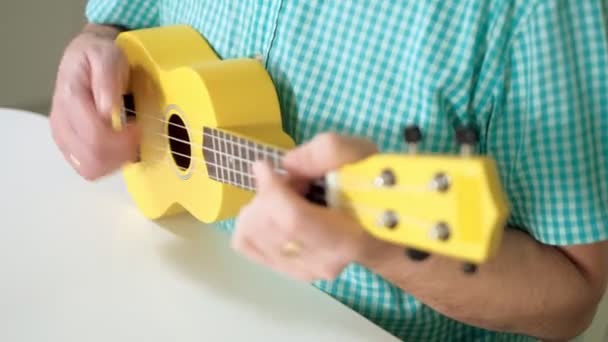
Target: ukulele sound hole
179,142
129,102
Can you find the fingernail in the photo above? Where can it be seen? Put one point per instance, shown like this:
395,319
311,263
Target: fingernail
107,105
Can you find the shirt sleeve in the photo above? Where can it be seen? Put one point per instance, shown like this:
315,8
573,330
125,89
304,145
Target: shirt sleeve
131,14
550,131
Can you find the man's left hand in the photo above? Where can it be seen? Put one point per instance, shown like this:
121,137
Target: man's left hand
279,228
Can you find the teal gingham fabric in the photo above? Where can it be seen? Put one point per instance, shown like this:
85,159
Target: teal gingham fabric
532,75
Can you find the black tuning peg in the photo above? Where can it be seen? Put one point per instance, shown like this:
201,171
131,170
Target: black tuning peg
413,136
469,268
466,137
416,254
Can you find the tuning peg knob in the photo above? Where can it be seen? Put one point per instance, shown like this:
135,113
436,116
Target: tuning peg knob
466,137
469,268
413,136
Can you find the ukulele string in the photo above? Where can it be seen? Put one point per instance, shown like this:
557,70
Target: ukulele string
359,186
155,117
276,153
221,153
249,163
238,181
230,159
351,186
366,210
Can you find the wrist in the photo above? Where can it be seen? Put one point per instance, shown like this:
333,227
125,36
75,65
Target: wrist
102,31
373,252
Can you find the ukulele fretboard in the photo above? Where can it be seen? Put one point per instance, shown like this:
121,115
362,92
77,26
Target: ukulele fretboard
228,157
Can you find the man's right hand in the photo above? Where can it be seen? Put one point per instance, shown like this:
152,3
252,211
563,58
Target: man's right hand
91,79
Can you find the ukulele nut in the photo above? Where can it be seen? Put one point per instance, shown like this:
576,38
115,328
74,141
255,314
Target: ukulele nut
389,219
440,231
386,178
440,182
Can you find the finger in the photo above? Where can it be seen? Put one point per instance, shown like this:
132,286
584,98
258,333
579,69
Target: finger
123,146
299,185
109,77
289,218
59,130
256,238
265,177
76,100
269,255
288,206
285,191
325,153
242,244
75,151
329,238
96,139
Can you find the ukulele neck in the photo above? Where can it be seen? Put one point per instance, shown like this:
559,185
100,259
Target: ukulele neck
229,158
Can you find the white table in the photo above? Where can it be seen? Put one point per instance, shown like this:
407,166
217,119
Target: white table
79,263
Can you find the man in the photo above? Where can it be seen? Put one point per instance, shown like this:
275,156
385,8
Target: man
532,75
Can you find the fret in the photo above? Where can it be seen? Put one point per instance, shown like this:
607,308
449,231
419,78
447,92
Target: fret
234,171
268,154
244,162
222,150
228,153
217,156
251,151
274,157
229,157
236,164
251,158
209,153
279,158
260,152
235,184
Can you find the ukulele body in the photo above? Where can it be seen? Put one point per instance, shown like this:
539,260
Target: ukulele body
187,100
178,86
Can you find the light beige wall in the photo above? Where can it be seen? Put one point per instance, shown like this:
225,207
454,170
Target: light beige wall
33,34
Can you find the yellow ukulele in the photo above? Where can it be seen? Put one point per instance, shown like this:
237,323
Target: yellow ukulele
205,120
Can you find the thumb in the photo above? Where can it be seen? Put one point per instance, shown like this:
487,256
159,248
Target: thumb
109,77
271,184
125,143
264,176
325,153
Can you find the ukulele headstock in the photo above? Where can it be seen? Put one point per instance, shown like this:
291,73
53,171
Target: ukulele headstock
431,204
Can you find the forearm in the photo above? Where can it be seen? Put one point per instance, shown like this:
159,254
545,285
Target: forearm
528,288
